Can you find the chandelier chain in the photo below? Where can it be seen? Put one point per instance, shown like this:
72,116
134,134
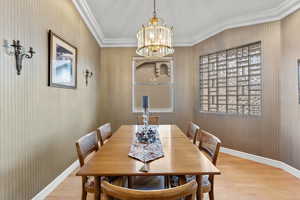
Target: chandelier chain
154,11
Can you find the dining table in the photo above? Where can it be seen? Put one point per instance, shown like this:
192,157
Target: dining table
181,157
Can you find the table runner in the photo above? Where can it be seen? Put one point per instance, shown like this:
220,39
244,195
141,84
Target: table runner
147,152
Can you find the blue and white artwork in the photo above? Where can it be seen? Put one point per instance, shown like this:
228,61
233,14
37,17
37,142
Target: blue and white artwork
63,63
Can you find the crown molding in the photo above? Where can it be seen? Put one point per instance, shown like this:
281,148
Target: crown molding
90,20
282,10
129,42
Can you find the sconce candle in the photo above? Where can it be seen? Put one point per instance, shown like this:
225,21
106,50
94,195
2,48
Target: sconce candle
145,102
145,105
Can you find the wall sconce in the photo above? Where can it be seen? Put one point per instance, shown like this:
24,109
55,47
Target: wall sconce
19,52
87,74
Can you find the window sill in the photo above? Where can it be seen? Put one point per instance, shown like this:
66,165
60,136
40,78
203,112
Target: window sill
156,111
229,114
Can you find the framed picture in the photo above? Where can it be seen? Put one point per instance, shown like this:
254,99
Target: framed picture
299,81
62,62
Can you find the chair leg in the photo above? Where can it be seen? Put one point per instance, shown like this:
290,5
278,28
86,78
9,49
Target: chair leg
211,195
83,195
124,181
182,180
199,190
129,179
211,192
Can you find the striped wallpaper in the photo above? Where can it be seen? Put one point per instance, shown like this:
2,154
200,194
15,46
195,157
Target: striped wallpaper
39,124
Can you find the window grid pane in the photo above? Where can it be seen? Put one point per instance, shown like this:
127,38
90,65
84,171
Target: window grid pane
230,81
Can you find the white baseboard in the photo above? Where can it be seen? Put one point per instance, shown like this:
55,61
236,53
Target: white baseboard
290,169
263,160
58,180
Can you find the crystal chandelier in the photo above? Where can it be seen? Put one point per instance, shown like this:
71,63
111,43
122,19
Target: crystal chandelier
155,39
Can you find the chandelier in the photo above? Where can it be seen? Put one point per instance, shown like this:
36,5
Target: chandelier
155,39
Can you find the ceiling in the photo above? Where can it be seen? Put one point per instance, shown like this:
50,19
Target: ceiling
115,22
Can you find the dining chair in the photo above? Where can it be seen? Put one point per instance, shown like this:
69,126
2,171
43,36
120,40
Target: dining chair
193,132
210,145
104,133
153,120
85,146
186,191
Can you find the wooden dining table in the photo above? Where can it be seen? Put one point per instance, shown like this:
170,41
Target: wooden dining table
181,157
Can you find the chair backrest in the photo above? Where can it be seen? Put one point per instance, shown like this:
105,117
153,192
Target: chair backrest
193,131
104,132
187,191
153,120
210,144
86,145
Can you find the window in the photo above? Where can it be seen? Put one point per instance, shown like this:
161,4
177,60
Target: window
153,78
230,81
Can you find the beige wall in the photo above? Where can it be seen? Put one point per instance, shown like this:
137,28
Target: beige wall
257,135
276,133
39,124
289,106
266,135
116,86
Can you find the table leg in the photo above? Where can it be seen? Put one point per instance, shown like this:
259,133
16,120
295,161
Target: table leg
167,181
199,191
97,187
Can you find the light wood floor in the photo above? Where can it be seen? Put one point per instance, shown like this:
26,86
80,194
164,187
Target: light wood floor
240,180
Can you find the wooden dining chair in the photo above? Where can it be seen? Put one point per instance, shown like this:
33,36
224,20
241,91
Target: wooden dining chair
153,120
186,191
193,132
210,145
85,146
104,133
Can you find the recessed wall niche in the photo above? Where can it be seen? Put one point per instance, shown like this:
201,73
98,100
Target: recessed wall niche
153,78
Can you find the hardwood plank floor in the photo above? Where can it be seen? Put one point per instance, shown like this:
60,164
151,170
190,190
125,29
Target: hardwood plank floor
241,180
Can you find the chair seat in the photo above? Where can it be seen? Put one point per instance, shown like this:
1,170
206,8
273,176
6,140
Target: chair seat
206,185
90,183
147,182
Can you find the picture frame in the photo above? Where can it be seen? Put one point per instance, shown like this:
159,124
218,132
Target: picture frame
62,71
